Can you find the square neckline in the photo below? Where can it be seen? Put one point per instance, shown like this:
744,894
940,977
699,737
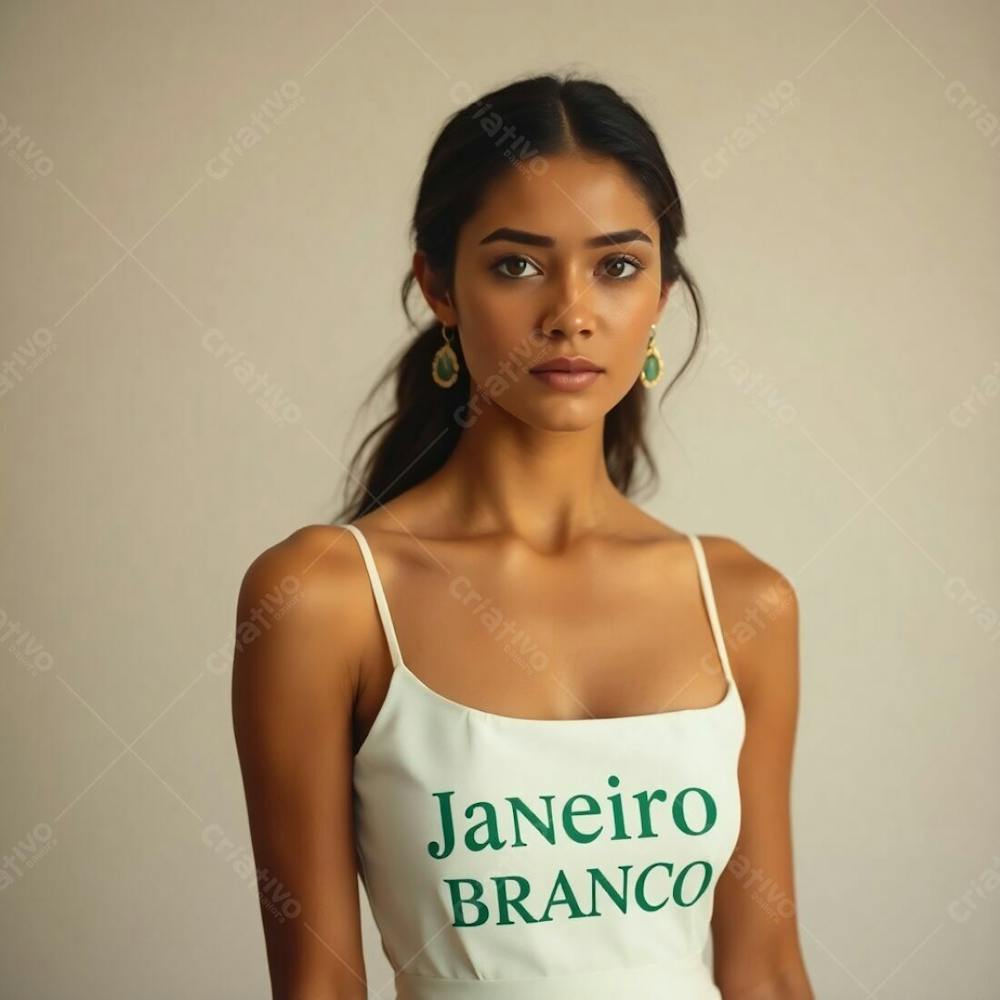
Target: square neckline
399,665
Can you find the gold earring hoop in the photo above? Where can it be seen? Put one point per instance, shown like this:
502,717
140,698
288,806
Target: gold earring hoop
444,367
652,365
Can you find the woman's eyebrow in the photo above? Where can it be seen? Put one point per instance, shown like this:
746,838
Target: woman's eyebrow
537,240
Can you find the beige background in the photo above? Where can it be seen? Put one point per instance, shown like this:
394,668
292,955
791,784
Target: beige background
842,422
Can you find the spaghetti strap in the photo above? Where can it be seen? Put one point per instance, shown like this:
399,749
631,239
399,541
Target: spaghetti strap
708,596
379,592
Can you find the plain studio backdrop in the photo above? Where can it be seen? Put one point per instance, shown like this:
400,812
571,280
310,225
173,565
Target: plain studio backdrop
188,184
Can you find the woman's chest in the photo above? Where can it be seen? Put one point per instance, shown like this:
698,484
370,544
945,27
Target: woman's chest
591,643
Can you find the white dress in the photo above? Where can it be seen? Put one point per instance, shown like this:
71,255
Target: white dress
508,858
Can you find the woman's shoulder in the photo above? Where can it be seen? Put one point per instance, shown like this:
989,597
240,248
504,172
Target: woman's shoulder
742,577
315,555
759,613
317,571
303,626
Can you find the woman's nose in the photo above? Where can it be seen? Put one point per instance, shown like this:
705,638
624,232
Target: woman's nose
569,311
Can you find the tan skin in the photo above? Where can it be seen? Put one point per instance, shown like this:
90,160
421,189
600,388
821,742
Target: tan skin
524,509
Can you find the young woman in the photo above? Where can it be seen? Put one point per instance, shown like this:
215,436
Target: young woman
497,689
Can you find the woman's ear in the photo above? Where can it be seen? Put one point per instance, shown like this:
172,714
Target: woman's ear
664,295
435,294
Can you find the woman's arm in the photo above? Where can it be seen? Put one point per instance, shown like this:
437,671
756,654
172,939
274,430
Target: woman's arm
757,955
294,678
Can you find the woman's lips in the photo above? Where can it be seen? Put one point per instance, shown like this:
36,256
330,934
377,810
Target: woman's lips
567,381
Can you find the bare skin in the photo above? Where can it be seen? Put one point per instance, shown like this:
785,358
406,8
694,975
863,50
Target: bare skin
525,514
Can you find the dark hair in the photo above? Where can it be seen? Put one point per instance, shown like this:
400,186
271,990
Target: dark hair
544,115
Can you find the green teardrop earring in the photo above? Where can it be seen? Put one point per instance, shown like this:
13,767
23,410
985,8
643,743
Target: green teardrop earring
444,367
652,365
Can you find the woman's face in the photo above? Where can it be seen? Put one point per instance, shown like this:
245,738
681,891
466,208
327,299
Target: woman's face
537,278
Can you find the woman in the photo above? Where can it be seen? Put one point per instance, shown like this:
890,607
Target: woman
501,692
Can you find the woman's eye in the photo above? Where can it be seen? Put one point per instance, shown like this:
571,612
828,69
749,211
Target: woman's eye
498,267
628,262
